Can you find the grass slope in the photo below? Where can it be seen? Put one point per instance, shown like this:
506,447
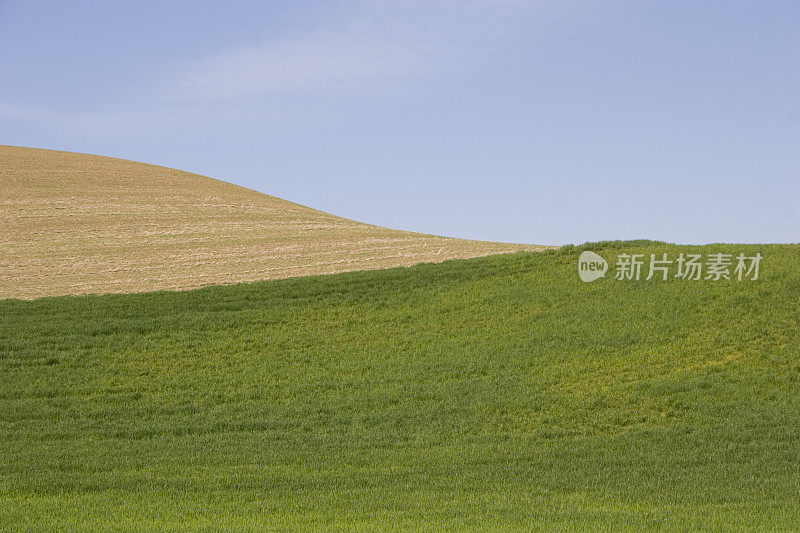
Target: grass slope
76,224
489,393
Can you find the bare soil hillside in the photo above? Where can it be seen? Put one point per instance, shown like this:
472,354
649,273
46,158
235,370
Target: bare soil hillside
75,224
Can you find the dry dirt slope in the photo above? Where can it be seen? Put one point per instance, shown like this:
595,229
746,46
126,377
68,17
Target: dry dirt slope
75,223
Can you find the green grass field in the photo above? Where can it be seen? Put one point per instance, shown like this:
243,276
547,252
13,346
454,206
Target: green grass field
492,393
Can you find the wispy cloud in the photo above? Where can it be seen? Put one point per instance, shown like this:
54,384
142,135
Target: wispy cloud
323,62
375,47
371,47
104,124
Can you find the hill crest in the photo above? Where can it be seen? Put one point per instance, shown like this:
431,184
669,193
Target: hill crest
77,223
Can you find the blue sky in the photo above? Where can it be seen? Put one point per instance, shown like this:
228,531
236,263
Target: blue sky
540,122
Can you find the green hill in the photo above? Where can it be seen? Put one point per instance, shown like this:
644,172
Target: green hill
489,393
